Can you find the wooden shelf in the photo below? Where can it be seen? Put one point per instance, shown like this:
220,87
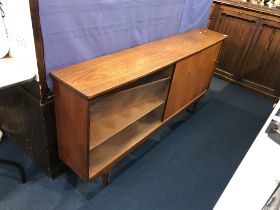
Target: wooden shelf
123,119
111,150
108,117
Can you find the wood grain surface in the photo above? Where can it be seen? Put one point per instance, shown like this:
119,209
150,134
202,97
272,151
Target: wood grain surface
97,76
191,79
72,120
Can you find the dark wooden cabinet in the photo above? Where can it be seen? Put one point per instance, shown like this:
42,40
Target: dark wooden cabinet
240,28
211,15
262,60
250,54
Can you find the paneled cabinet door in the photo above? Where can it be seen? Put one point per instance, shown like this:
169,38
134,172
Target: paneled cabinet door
262,62
240,28
191,79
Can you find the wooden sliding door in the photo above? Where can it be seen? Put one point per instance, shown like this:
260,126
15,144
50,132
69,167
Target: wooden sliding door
191,79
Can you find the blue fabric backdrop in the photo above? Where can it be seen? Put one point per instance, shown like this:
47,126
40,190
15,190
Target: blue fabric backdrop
77,30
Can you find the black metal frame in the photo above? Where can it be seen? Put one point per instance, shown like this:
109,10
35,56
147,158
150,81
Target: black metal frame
16,165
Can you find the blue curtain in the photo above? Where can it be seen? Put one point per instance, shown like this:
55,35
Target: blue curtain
195,14
77,30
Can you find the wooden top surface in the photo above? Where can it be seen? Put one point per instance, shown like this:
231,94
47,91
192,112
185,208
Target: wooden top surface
97,76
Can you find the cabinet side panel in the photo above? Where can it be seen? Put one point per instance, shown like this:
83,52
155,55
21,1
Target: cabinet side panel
72,129
191,79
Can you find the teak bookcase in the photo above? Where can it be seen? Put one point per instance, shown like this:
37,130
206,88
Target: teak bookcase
106,107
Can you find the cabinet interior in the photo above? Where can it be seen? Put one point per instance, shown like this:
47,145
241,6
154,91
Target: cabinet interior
121,119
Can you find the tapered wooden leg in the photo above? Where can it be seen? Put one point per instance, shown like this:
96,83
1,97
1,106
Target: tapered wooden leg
192,110
106,179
